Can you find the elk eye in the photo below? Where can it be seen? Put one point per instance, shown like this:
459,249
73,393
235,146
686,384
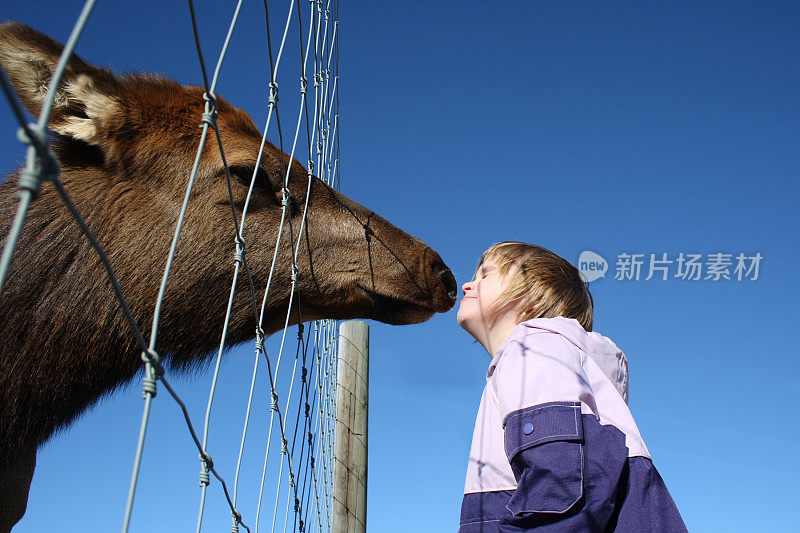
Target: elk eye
244,175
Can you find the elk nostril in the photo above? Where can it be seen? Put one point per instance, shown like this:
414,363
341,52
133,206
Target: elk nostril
447,277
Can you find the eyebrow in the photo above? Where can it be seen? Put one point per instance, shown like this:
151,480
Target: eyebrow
483,268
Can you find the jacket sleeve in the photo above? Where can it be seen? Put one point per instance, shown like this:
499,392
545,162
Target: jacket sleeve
573,473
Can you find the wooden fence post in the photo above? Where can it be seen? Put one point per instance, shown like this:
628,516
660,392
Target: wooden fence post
352,410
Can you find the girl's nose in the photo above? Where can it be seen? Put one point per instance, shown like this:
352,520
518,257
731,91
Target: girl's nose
465,286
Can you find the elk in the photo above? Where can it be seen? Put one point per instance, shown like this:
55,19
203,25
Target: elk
125,145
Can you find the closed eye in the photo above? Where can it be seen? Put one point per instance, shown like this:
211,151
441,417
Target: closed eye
244,175
483,271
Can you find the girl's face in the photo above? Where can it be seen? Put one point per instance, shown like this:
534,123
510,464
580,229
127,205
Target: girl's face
480,294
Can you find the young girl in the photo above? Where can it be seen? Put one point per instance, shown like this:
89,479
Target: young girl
555,447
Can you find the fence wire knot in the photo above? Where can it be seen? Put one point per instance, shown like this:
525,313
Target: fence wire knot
207,460
273,405
273,93
205,480
294,273
148,387
31,179
237,519
303,85
241,250
208,464
151,357
260,339
285,197
284,447
32,136
210,116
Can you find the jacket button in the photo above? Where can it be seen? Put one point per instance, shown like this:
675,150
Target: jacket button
527,428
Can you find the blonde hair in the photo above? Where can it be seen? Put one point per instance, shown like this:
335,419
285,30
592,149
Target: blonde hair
544,285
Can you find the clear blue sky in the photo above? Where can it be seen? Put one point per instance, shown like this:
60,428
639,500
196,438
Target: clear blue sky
616,127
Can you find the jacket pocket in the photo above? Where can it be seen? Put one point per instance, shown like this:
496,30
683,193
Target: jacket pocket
544,445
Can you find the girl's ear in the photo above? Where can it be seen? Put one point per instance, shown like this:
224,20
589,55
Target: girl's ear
84,101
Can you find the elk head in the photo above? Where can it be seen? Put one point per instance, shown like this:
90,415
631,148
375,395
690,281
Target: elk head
126,146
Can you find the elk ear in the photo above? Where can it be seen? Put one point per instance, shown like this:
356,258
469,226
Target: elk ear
84,101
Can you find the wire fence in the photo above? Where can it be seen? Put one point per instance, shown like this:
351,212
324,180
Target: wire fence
296,483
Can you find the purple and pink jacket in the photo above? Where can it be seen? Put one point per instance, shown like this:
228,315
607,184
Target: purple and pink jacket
555,447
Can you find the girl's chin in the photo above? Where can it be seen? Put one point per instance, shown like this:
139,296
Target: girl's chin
464,324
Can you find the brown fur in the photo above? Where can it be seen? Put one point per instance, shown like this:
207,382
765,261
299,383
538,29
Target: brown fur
125,146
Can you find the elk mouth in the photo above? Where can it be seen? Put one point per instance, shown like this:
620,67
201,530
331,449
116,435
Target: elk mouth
395,311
